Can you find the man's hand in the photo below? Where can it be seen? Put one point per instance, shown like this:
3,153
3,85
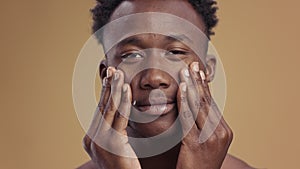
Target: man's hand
108,127
195,108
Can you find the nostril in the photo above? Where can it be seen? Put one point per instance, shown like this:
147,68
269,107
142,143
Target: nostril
164,85
147,86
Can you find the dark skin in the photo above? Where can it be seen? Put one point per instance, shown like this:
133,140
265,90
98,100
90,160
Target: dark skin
189,153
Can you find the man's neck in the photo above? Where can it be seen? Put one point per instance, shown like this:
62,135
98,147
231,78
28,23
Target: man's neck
162,161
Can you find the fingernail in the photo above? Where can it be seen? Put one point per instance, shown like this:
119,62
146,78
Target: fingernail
202,75
207,71
125,87
195,66
104,83
134,102
184,87
116,75
108,72
186,72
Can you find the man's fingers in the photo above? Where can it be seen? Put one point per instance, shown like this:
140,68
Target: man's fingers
200,97
185,114
105,93
121,118
194,96
98,114
114,100
94,124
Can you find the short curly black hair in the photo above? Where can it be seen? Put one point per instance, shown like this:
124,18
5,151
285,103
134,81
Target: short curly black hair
206,8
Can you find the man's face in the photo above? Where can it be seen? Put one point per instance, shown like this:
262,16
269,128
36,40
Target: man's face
145,49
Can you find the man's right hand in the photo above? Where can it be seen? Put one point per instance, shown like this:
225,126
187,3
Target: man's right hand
108,127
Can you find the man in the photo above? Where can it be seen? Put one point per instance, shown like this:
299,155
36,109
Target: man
147,89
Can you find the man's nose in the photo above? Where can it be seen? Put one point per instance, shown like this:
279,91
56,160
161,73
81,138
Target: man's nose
154,79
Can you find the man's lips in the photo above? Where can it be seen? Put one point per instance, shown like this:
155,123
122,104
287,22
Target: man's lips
156,109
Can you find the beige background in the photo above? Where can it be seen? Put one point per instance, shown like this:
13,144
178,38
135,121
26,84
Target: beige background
40,40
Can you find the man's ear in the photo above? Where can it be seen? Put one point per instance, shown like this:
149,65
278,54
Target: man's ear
102,69
210,71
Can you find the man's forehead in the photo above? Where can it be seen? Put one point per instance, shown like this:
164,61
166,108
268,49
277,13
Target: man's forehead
150,38
179,8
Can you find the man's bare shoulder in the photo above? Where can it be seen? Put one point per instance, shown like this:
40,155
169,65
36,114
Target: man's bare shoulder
230,162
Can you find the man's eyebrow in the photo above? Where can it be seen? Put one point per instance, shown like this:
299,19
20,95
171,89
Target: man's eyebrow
136,41
130,41
179,37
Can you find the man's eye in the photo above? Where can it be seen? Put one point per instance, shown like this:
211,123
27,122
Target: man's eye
131,55
176,52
